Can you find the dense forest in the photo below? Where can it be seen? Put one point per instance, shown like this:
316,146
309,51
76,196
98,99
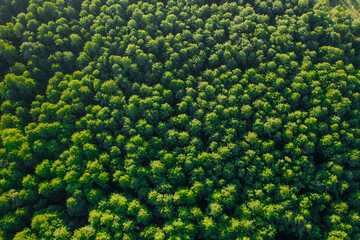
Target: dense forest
186,119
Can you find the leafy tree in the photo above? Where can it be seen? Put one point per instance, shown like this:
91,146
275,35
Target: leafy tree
179,120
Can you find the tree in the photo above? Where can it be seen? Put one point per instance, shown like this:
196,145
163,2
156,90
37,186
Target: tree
178,120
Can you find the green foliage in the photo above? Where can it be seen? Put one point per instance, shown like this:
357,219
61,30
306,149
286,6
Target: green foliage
179,120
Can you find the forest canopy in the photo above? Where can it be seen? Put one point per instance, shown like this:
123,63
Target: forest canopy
187,119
